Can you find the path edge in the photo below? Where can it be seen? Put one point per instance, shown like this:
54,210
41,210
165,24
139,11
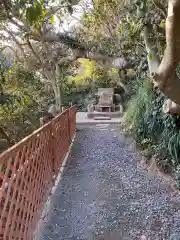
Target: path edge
46,209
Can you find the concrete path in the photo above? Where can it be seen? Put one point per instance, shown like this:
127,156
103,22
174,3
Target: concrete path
104,194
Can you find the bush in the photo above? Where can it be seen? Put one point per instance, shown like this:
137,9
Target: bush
138,109
152,128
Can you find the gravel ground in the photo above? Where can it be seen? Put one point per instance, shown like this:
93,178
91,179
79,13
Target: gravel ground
104,194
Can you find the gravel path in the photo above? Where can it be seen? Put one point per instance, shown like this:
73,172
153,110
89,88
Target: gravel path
104,194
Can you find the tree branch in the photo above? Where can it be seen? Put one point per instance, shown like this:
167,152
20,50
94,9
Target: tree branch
17,43
58,37
80,51
32,49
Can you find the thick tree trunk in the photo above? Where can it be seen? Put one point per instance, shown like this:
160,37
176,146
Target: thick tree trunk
53,78
165,76
164,73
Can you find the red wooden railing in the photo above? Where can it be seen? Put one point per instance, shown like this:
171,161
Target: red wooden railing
27,173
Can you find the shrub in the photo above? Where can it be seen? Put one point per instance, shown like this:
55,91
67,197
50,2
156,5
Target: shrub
138,108
151,127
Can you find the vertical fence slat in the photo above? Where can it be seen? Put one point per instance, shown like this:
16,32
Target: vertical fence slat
27,171
72,121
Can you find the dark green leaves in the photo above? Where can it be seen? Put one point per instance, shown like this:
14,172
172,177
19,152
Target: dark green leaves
35,13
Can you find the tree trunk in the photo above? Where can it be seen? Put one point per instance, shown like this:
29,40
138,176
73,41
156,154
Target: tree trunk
53,78
164,74
122,76
59,100
59,96
152,51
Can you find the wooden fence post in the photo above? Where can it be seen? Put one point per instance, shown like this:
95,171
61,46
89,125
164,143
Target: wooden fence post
53,153
69,126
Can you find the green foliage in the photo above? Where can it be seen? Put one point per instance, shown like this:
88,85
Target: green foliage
138,109
87,70
21,103
35,12
81,88
162,23
77,94
152,128
103,80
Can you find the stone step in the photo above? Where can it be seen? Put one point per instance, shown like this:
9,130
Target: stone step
102,118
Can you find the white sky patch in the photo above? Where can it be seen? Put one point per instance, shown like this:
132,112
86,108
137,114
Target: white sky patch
75,19
66,25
